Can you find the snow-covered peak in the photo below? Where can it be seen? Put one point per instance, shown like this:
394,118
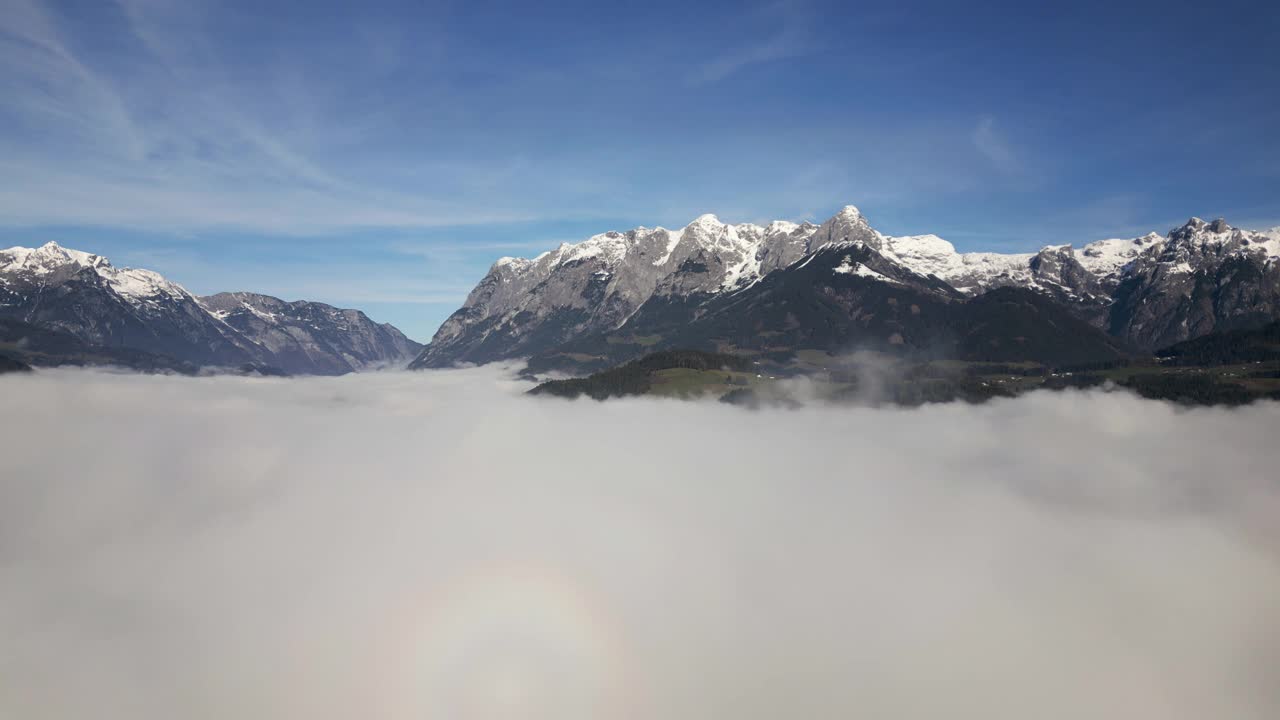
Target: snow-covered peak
1197,239
704,226
924,254
47,258
742,247
708,233
513,263
847,226
969,272
610,247
130,283
1269,240
1108,257
1199,231
137,284
732,256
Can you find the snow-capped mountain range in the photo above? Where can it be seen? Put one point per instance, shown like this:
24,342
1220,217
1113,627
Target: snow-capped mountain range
1148,291
85,296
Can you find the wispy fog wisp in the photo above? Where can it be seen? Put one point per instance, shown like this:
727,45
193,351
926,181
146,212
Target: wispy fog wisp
435,545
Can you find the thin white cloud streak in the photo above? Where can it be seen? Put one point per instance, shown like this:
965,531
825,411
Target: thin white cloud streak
52,197
57,83
435,545
790,40
185,146
786,44
171,132
993,146
453,249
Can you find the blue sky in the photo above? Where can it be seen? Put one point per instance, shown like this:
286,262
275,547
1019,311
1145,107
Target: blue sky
381,155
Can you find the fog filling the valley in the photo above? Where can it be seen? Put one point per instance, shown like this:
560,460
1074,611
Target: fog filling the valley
434,545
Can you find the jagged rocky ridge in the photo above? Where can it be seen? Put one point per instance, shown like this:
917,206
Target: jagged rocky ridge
83,295
654,286
301,334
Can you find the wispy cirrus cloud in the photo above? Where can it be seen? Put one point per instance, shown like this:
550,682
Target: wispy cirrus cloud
166,131
174,115
788,36
992,145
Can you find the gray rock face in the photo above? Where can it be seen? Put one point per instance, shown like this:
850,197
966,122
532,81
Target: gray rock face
1205,277
311,337
524,305
1139,289
84,295
87,297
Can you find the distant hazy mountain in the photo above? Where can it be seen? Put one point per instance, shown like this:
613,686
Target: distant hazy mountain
86,297
843,285
321,338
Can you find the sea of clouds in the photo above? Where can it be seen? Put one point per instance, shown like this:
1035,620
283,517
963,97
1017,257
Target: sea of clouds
436,545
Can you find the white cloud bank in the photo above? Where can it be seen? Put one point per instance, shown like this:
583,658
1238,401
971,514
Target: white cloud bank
435,546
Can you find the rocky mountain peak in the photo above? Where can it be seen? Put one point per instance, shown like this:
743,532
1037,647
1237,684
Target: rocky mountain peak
47,258
600,284
850,212
51,261
1196,228
847,226
84,295
1198,238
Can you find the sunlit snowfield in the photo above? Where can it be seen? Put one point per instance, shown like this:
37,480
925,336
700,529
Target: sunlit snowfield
434,545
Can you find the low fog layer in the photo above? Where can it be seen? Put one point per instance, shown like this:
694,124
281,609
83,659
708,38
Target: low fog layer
435,545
